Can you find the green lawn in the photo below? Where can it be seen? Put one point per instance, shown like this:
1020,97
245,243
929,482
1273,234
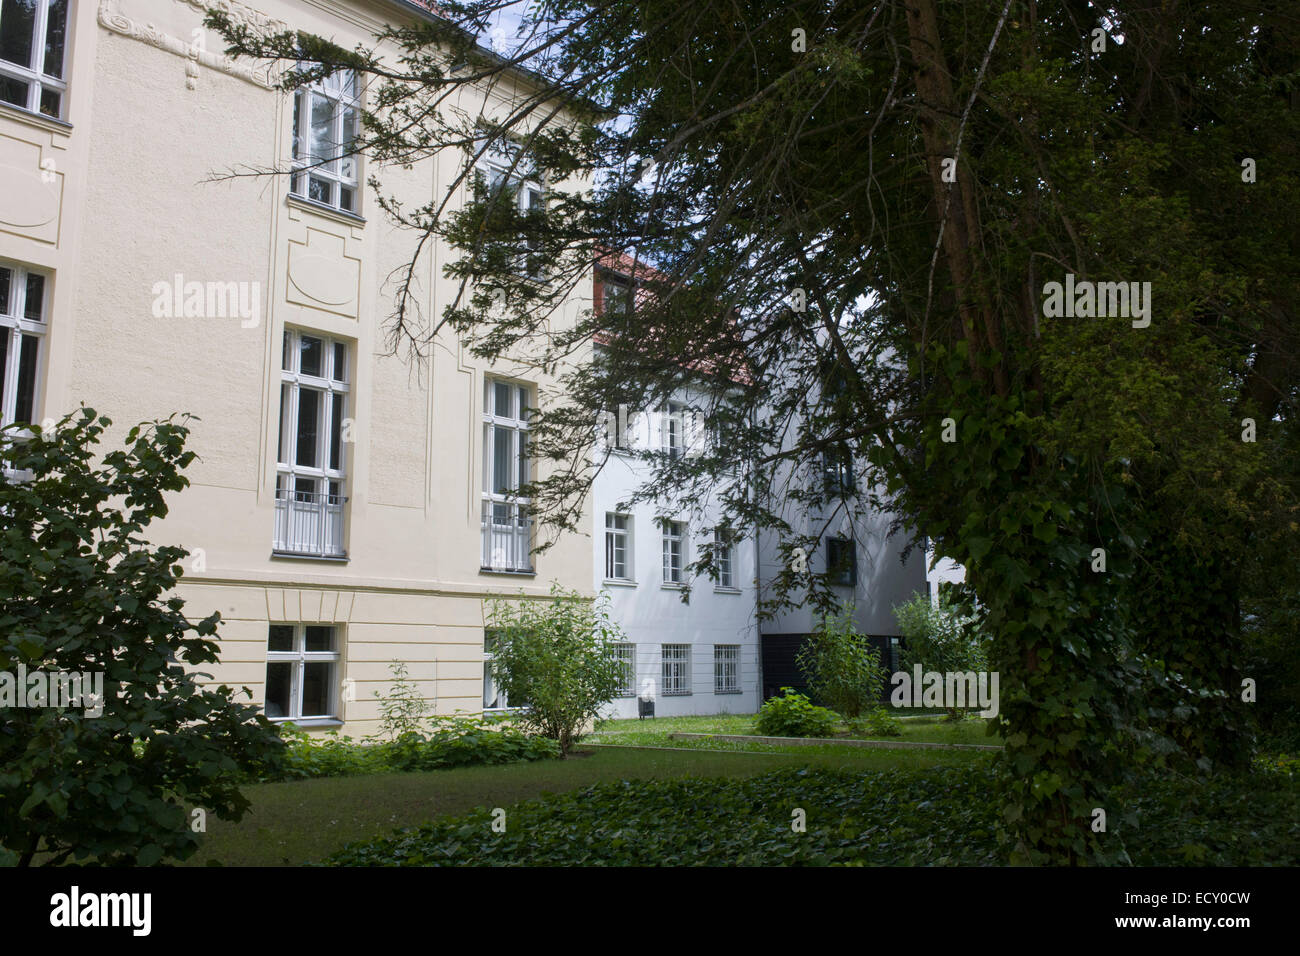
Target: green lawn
292,823
654,732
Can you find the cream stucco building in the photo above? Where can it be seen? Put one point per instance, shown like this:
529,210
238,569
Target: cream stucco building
348,508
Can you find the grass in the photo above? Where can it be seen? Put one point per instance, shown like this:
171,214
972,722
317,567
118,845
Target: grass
296,822
656,731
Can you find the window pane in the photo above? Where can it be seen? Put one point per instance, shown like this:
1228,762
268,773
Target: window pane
51,101
6,280
502,407
17,23
501,460
285,436
340,362
309,414
310,355
318,189
281,638
33,308
4,365
279,684
316,681
336,433
320,638
296,152
304,489
13,91
26,379
346,199
55,28
523,459
348,164
523,402
322,135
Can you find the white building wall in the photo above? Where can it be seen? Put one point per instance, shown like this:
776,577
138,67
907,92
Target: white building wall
652,614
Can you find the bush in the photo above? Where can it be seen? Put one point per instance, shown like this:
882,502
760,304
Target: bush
403,710
82,591
794,715
943,638
878,723
454,742
842,667
555,658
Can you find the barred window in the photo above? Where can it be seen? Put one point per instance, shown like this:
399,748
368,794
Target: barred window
676,675
726,668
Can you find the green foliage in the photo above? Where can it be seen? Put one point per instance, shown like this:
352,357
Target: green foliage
82,590
938,817
941,638
555,659
403,710
453,742
794,715
877,723
841,666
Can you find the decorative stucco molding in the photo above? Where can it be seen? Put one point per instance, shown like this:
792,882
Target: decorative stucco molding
112,18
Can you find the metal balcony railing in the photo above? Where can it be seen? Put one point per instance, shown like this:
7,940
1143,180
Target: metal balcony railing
507,537
309,524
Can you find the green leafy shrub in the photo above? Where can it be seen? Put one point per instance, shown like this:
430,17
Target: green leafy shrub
555,659
453,742
403,709
794,715
841,666
83,591
943,638
877,723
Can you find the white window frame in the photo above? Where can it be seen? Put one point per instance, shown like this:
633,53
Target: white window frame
618,538
329,480
507,504
14,324
497,165
724,558
726,669
675,670
299,658
35,73
339,171
625,655
674,533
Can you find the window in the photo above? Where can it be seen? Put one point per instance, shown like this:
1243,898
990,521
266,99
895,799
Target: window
23,322
674,429
616,299
676,676
625,655
837,472
618,430
618,554
674,541
494,698
724,557
33,37
507,526
325,124
311,462
726,668
841,562
508,176
302,671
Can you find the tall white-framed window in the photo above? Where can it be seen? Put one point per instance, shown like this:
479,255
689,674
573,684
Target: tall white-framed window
509,176
724,557
311,464
326,117
618,546
23,323
674,550
302,672
625,655
33,43
507,523
726,668
674,429
676,670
